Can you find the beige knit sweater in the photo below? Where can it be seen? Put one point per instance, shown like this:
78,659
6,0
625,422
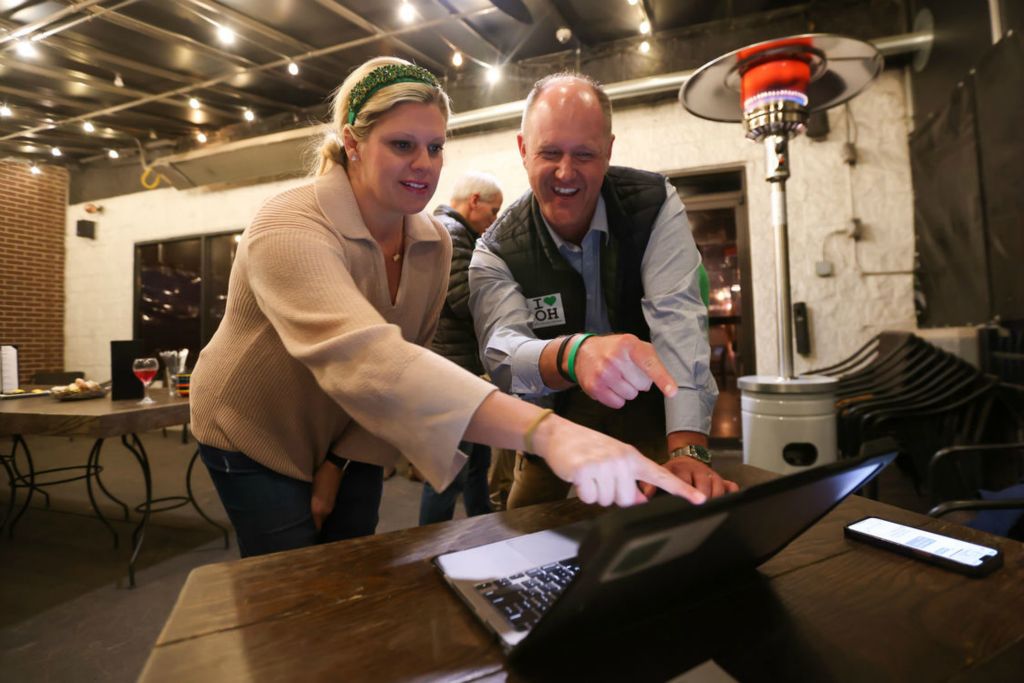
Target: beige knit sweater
311,355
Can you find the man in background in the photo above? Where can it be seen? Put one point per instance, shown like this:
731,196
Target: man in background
475,203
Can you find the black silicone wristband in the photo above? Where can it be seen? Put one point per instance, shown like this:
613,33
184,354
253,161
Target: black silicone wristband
561,356
337,461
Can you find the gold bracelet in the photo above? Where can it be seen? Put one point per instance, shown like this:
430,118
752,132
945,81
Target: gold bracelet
528,434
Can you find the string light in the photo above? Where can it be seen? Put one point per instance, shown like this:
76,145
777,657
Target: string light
201,137
88,127
194,103
632,2
645,27
118,81
249,116
225,35
113,154
406,12
293,68
493,74
5,111
35,170
56,151
645,47
25,49
457,58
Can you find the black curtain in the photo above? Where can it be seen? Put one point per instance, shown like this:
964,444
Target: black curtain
967,162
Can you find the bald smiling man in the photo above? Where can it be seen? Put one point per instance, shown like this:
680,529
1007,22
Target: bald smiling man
585,295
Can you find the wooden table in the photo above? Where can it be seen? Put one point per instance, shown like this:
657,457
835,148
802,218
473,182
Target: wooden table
99,419
376,609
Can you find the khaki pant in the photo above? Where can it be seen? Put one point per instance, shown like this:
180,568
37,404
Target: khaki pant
499,477
640,423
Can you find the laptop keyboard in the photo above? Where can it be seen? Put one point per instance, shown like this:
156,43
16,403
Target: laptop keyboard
524,597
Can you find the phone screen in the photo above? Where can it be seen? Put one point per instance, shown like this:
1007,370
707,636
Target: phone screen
952,549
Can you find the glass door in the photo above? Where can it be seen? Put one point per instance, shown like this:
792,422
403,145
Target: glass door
716,210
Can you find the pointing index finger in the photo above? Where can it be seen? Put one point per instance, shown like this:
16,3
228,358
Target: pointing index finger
648,471
646,358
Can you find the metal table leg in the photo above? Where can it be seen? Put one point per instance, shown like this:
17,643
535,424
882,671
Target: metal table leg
97,446
135,446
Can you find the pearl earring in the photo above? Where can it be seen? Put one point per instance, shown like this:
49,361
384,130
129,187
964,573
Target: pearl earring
355,157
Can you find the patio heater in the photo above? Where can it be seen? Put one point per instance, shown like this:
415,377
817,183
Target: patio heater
772,87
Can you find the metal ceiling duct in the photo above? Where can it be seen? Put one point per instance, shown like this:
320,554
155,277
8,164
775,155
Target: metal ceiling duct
286,153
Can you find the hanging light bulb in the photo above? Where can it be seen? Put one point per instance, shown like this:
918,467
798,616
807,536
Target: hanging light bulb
249,116
457,58
406,12
118,81
25,49
88,127
35,170
56,151
201,137
493,74
645,27
194,103
225,35
113,154
645,47
5,111
293,68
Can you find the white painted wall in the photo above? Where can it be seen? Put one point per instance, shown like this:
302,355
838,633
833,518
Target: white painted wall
845,310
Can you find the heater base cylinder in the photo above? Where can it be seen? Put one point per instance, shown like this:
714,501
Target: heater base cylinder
788,424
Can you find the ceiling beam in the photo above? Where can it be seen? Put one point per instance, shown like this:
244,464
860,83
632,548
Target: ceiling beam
371,28
31,28
145,28
472,29
256,26
99,84
84,52
169,94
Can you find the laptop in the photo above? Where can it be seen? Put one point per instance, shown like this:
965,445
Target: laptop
546,587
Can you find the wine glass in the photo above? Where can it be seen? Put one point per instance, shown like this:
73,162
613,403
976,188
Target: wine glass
145,369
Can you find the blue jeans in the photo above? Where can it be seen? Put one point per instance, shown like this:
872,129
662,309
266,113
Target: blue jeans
271,512
471,482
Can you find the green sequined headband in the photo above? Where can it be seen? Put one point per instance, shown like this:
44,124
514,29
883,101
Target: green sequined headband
381,77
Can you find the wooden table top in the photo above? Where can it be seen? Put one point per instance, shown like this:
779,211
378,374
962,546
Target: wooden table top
377,609
97,417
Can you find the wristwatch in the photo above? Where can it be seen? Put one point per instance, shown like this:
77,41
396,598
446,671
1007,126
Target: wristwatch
694,451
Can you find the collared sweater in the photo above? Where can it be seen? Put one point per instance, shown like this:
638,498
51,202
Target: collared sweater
312,357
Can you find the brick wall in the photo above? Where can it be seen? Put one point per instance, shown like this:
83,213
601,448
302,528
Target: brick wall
32,220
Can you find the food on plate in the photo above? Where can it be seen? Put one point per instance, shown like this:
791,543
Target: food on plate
79,386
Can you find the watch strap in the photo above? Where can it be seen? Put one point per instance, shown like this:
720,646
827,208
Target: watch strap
693,451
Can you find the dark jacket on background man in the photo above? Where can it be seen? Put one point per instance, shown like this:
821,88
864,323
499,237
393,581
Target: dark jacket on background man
455,338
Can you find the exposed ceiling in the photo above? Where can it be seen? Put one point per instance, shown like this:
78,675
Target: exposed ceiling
129,67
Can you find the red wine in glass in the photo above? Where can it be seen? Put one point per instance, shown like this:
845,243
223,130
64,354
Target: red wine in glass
145,376
145,369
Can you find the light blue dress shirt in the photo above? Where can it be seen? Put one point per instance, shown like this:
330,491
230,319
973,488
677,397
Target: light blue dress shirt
672,307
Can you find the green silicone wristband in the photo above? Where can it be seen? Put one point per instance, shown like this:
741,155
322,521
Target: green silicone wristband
572,355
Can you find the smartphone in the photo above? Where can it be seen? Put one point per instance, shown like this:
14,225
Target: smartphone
951,553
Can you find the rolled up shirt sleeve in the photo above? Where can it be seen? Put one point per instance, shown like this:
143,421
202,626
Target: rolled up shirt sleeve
678,318
509,350
395,390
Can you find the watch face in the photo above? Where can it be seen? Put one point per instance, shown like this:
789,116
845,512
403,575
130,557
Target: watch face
700,453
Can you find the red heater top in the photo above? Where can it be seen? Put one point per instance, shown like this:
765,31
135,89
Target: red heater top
808,72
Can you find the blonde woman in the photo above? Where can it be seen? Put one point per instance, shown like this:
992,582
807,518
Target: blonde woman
319,368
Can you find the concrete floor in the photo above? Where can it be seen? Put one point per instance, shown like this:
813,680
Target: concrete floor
66,612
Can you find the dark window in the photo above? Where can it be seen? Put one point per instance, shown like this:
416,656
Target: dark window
180,291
